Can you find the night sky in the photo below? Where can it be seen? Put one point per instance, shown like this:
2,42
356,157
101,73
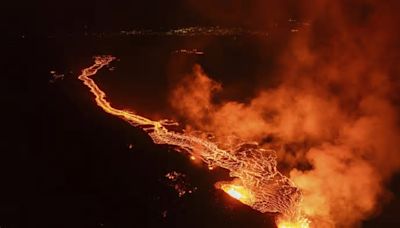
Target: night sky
66,163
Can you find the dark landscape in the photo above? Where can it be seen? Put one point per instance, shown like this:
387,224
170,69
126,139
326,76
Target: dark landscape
66,163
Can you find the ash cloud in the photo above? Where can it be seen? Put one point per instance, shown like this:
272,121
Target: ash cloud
335,108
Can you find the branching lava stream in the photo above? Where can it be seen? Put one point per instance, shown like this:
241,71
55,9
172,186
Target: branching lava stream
257,182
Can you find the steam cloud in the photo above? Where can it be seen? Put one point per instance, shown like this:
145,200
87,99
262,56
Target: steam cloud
334,116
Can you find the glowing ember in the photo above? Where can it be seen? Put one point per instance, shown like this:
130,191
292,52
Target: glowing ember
261,187
179,183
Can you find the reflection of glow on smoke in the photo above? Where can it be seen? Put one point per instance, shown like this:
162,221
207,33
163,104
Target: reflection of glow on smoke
261,187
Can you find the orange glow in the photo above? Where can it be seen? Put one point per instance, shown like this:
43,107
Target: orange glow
301,223
238,192
326,98
267,190
333,114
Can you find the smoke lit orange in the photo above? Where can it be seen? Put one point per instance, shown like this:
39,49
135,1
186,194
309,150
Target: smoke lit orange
262,186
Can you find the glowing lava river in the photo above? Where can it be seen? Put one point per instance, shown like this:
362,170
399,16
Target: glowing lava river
257,182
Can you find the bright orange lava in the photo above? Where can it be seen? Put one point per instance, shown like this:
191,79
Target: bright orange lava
238,192
299,223
261,187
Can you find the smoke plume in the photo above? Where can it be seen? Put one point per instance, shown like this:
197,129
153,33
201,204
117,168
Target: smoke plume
334,116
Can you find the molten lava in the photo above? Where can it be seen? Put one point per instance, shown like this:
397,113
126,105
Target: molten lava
302,223
238,192
261,187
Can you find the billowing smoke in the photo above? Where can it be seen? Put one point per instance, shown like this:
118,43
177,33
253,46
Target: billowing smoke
334,116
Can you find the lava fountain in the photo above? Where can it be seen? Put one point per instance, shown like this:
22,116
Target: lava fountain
257,182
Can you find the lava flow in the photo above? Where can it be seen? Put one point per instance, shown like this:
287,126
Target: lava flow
257,183
238,192
300,223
